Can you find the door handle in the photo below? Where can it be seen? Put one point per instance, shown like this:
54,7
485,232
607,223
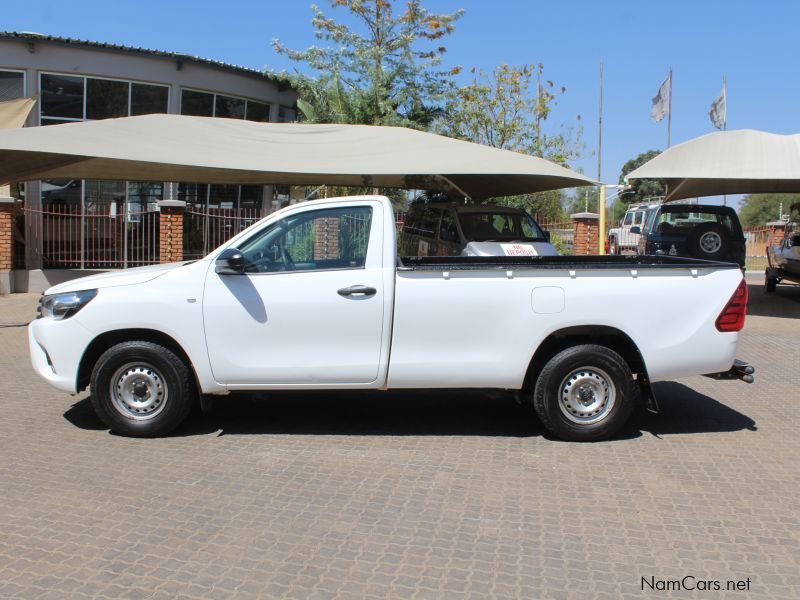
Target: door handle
357,290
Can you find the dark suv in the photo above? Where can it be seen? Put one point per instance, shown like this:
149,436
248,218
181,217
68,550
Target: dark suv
693,230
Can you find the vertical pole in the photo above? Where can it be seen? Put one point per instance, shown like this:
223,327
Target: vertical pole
725,122
600,125
601,234
669,107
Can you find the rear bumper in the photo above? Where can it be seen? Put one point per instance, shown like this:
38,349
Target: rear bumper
740,370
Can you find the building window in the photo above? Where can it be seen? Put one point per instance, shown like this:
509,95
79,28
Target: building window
12,85
207,104
76,98
286,114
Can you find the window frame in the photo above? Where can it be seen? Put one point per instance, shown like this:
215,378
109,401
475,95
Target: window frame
372,231
85,77
24,79
214,95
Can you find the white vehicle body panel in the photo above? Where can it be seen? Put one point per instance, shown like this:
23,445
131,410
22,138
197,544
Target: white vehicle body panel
424,328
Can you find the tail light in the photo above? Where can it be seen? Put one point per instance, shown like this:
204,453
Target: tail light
732,316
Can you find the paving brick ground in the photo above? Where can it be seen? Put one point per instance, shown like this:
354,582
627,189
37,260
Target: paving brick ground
421,495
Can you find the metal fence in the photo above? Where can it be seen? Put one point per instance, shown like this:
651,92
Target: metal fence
206,228
562,234
757,239
69,237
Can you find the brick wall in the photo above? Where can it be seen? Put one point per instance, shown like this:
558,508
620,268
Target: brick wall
170,226
6,236
326,238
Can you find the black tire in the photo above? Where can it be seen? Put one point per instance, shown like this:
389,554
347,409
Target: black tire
709,241
770,284
579,363
146,368
613,247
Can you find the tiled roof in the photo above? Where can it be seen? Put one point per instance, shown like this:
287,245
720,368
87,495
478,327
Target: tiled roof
178,56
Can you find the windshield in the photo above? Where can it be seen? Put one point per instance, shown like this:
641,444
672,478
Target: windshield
500,226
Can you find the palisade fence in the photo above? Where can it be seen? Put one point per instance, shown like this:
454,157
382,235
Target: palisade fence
562,234
73,238
756,241
207,228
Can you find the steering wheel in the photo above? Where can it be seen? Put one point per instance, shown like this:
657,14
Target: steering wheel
288,263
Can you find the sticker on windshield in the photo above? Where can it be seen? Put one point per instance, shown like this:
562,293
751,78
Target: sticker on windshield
518,250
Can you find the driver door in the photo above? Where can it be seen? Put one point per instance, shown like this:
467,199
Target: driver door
309,309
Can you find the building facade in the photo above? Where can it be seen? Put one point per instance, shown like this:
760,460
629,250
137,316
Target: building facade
71,224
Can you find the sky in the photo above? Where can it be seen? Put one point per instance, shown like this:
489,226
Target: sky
754,44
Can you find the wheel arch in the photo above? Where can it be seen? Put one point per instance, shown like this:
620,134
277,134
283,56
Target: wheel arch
602,335
106,340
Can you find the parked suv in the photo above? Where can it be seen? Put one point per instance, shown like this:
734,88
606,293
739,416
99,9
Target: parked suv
451,229
693,230
620,239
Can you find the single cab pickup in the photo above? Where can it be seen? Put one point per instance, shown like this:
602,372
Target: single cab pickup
315,297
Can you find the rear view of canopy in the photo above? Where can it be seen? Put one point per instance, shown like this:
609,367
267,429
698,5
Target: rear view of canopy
211,150
727,162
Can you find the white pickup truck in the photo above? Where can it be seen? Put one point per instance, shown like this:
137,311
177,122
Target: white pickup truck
315,297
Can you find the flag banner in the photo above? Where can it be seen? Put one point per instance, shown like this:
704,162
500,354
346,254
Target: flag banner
660,106
719,110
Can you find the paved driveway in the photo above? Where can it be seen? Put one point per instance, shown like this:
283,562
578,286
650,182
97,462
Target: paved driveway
425,495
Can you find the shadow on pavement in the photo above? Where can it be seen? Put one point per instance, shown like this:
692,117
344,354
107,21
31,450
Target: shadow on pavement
784,302
425,413
684,410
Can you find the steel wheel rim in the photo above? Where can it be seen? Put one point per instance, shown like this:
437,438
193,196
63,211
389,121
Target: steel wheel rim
710,242
138,391
587,395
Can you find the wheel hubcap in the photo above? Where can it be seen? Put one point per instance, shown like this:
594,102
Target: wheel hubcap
138,391
710,242
587,395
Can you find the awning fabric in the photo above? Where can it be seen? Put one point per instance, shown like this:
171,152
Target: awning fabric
727,162
14,113
213,150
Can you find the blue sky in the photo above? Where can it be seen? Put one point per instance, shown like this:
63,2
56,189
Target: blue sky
756,44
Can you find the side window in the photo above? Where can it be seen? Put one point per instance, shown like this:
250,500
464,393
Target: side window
628,219
448,232
639,219
334,238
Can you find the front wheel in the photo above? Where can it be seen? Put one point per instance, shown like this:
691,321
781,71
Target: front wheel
141,389
584,393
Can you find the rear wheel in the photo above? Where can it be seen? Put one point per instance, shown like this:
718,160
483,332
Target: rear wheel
584,393
141,389
613,246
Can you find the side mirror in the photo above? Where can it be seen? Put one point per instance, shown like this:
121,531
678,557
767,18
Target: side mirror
229,262
546,234
636,229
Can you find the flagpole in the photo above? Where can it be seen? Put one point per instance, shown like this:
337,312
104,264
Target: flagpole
600,124
725,122
669,108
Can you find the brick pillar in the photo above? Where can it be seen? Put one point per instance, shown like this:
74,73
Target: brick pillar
586,229
326,238
6,243
170,228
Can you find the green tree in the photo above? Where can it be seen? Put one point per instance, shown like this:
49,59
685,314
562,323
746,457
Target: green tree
759,209
641,189
509,109
386,70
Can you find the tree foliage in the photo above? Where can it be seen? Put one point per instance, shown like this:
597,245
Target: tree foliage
508,108
641,189
385,70
759,209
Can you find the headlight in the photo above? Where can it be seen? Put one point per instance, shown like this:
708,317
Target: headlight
63,306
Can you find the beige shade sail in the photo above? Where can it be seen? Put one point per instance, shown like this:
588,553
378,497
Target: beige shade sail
14,113
212,150
727,162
